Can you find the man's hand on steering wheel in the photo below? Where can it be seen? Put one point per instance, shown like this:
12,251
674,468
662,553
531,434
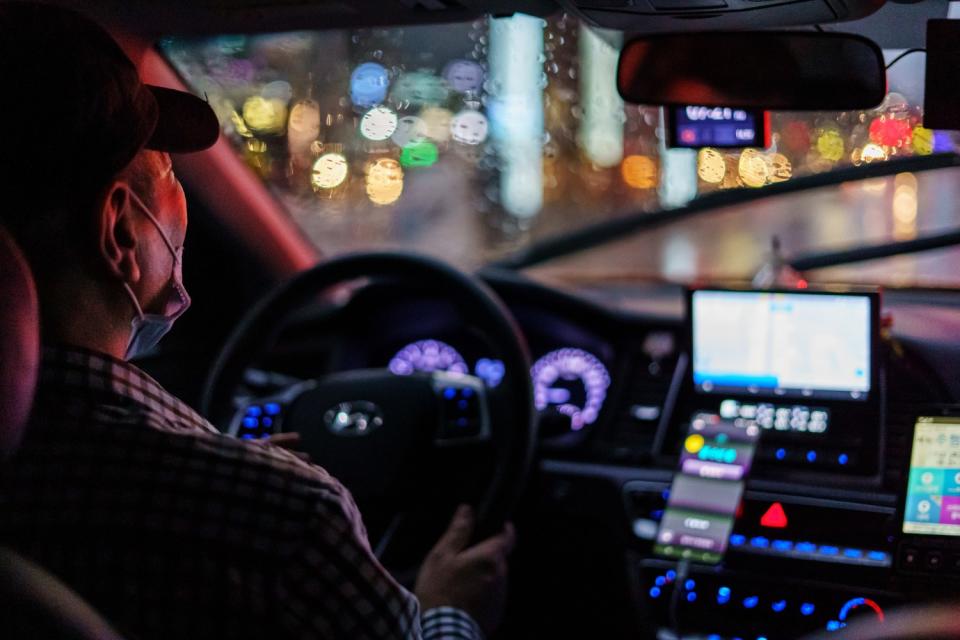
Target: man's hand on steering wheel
472,579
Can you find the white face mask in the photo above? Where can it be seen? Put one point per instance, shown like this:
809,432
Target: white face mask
147,329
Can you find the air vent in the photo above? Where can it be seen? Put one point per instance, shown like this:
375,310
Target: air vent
641,408
900,419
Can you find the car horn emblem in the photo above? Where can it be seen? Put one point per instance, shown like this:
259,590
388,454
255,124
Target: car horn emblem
353,418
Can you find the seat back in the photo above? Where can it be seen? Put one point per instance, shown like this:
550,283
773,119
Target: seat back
19,343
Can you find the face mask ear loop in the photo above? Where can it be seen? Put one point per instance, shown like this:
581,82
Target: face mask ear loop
146,210
133,299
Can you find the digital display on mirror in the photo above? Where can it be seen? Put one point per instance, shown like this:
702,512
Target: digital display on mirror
694,127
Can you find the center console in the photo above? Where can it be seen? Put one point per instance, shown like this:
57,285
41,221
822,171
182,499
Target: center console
816,538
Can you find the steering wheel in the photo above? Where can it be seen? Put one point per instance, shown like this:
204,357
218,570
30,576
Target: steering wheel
394,441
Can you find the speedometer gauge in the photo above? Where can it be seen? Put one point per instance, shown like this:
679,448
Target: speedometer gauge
574,382
427,356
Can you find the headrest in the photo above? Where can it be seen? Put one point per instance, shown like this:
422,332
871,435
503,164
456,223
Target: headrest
19,343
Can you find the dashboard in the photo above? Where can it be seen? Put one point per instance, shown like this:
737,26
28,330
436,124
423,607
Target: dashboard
833,522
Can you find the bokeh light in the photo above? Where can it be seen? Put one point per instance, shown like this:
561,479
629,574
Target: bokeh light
711,166
378,123
304,126
753,168
369,83
329,171
922,140
384,181
639,172
418,89
265,116
437,121
830,145
419,154
463,76
469,127
410,130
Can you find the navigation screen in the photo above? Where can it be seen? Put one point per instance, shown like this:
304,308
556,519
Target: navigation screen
706,491
784,344
933,490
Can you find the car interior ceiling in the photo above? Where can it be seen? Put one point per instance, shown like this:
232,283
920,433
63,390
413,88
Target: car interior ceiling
828,489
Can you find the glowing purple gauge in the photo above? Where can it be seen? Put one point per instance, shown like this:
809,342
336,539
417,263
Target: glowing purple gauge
574,381
427,356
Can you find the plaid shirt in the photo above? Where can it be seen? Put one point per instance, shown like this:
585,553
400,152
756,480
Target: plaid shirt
173,530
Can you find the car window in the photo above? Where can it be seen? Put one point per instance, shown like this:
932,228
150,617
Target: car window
470,141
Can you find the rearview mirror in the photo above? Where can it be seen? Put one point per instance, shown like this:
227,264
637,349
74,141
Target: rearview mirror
786,70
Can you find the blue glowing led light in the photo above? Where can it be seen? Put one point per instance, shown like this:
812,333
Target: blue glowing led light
761,637
853,553
250,423
490,371
714,636
724,592
660,581
779,606
248,436
834,625
691,597
811,456
879,556
272,408
782,545
666,494
449,393
254,411
368,84
805,547
843,458
467,392
563,366
751,602
463,405
829,550
781,454
737,540
759,542
690,585
671,575
807,608
654,592
267,422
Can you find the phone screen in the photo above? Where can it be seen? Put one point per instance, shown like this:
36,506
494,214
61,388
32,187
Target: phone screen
715,460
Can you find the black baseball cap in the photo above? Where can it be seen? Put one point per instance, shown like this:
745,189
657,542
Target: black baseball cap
73,110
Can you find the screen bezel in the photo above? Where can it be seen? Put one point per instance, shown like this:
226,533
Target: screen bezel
933,411
760,117
874,313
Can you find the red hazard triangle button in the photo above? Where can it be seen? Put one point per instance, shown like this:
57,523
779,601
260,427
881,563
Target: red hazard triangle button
775,517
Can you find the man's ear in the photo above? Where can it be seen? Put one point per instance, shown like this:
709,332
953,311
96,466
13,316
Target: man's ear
117,234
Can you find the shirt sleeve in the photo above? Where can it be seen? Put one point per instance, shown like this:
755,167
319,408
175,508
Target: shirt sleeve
333,586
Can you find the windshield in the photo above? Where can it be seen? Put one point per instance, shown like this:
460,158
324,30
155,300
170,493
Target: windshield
472,141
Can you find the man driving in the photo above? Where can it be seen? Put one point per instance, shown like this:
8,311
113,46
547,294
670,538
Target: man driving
167,527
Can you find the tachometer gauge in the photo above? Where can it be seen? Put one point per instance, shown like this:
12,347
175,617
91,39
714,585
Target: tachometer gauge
573,382
427,356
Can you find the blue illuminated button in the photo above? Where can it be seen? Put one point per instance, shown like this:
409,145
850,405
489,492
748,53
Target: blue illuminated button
714,636
272,408
249,423
751,602
805,547
690,585
254,410
723,595
449,393
879,556
671,575
467,393
660,581
829,550
811,456
463,405
737,540
654,592
807,608
843,458
691,597
779,606
759,542
834,625
781,454
782,545
267,422
248,436
853,553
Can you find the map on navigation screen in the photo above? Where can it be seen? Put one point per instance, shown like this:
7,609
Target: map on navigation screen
786,344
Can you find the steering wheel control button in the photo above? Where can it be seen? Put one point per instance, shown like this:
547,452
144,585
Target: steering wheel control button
353,419
254,421
463,408
933,561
